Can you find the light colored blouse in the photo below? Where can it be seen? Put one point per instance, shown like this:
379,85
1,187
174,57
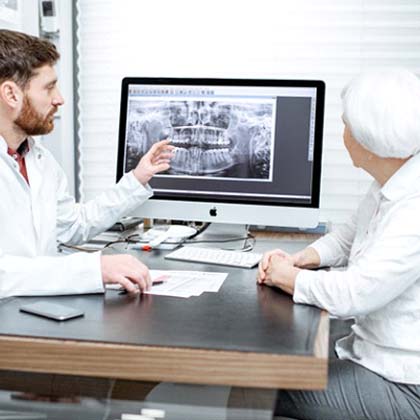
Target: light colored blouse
380,287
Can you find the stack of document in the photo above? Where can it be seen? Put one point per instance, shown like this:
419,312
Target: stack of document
185,283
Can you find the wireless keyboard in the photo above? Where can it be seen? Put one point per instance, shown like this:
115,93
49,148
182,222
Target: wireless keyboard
215,256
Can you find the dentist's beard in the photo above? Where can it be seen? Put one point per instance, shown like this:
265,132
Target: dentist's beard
31,122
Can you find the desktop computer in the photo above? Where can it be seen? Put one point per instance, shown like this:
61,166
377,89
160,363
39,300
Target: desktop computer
248,151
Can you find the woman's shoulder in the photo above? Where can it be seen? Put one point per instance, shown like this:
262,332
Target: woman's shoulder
404,214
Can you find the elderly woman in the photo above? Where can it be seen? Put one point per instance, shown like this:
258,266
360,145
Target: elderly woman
376,371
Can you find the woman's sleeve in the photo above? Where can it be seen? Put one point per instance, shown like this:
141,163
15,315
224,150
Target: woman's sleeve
385,269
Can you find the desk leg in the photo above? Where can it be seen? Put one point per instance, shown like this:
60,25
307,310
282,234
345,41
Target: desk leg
251,403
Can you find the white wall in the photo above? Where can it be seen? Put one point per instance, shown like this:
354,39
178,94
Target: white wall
61,141
27,17
325,39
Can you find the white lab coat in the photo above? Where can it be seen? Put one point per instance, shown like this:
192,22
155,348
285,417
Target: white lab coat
35,218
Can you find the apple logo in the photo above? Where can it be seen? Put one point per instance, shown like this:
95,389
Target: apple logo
213,211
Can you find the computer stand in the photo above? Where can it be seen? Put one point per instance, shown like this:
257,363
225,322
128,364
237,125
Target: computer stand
225,236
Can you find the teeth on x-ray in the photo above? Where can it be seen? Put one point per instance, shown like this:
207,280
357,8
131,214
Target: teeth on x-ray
229,139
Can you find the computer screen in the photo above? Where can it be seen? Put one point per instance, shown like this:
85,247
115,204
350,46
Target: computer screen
247,151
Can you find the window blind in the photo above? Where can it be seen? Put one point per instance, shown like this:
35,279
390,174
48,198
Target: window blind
328,40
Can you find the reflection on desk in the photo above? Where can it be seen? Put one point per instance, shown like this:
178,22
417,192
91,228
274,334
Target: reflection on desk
61,397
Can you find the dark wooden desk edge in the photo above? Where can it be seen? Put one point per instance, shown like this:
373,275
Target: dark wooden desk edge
185,365
322,336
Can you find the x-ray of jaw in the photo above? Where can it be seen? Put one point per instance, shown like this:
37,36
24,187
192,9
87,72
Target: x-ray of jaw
213,138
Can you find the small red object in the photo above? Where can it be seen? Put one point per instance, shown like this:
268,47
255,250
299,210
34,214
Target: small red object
146,248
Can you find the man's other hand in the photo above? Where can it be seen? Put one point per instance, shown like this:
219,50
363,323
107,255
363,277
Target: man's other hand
127,271
156,160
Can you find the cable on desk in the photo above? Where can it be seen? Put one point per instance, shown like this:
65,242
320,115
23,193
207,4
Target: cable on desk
201,229
246,248
78,248
134,239
90,249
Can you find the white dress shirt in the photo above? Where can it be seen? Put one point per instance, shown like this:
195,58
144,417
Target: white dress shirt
35,217
381,285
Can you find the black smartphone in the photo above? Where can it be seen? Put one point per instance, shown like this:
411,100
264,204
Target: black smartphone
51,310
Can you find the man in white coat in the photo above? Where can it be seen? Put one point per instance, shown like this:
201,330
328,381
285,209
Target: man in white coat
36,210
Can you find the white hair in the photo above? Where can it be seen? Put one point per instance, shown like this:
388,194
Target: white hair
382,111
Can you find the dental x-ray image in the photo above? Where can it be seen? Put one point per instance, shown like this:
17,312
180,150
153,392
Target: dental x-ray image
224,139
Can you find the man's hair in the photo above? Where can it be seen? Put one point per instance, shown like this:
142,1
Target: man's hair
382,111
22,54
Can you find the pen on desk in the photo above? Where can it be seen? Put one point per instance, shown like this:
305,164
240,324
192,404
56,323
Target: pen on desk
159,280
156,282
